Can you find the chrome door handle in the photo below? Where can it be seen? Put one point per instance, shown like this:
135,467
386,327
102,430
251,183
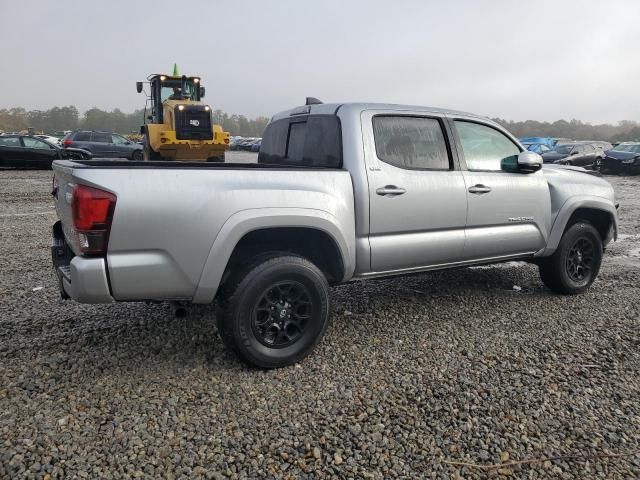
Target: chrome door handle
390,190
479,189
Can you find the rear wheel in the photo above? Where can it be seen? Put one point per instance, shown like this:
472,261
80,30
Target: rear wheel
576,262
274,311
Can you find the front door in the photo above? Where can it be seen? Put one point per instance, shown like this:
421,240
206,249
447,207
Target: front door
121,146
417,197
39,153
508,213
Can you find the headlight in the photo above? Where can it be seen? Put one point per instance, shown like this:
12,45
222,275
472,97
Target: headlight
180,107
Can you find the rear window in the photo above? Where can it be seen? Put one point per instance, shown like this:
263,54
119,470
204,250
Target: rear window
82,137
311,141
101,137
413,143
10,141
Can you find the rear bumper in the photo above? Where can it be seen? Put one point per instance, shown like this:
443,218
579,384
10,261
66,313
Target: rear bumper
83,279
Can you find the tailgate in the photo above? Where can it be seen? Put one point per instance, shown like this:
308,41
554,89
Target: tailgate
63,184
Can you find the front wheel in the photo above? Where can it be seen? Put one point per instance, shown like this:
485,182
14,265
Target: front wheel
137,155
576,262
275,311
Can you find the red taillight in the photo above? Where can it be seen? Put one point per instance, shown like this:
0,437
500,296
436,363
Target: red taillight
67,143
92,214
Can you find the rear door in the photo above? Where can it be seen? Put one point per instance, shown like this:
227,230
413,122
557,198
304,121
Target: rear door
508,213
101,145
12,153
417,194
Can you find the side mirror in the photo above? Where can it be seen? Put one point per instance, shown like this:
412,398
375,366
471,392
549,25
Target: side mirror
201,91
526,162
139,87
150,117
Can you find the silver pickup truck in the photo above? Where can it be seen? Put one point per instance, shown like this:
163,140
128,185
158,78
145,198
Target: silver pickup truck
339,192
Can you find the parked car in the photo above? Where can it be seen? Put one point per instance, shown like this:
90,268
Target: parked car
30,151
340,192
580,154
255,146
538,148
623,157
104,144
49,138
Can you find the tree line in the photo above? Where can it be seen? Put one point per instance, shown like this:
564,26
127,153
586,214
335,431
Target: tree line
58,119
625,130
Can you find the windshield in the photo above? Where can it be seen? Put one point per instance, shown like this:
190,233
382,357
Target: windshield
633,148
171,90
564,149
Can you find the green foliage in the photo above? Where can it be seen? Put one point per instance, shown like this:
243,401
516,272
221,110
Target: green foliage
67,118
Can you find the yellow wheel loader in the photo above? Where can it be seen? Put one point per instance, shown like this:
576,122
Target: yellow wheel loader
179,126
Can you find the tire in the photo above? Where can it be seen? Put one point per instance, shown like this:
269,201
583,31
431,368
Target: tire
575,264
216,159
148,153
274,311
137,155
597,165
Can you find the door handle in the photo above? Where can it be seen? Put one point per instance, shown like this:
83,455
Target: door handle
479,189
390,190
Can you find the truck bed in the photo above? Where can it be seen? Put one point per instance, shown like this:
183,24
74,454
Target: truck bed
175,224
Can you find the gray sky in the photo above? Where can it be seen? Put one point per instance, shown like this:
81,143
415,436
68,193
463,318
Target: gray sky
517,60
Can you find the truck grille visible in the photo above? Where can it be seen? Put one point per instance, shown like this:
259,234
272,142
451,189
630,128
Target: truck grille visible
193,123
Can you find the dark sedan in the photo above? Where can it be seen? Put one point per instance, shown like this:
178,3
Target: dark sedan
579,154
30,151
624,157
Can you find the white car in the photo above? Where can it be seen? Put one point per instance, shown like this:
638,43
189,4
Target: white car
49,138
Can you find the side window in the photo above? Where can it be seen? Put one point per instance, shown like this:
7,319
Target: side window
544,149
484,147
313,141
118,140
414,143
31,142
10,141
100,137
82,137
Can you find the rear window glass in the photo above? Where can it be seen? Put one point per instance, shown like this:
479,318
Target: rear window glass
82,137
101,137
312,141
10,141
413,143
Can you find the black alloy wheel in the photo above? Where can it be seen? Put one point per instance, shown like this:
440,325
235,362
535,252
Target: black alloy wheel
281,315
580,260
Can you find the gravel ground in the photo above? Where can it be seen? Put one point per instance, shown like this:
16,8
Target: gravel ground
414,373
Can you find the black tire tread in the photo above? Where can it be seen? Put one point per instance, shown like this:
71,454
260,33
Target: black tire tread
236,283
552,268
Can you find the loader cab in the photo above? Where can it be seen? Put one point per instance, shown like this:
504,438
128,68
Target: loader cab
167,87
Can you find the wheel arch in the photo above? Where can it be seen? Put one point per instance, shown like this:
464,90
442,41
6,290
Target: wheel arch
313,234
599,212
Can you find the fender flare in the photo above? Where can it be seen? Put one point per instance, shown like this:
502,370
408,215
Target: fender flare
567,209
245,221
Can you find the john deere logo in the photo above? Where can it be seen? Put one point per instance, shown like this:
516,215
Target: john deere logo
195,123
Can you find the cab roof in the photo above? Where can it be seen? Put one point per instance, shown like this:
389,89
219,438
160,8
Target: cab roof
357,107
